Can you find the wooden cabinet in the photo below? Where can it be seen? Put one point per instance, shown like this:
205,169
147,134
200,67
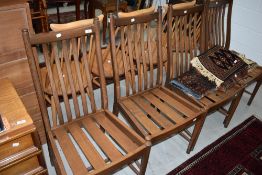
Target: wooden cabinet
15,16
20,149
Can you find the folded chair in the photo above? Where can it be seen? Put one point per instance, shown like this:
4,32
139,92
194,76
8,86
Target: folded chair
219,33
87,138
152,110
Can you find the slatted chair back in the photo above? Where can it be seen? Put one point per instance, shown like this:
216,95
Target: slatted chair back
218,24
67,65
137,38
185,38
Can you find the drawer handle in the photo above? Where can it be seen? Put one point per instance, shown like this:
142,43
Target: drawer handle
16,144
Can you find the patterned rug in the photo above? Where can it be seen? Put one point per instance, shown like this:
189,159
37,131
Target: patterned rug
239,152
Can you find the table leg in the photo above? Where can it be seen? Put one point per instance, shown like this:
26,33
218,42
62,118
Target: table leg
77,9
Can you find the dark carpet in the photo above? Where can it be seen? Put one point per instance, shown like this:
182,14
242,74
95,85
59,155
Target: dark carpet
238,152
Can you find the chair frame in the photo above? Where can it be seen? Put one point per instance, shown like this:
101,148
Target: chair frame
106,120
124,104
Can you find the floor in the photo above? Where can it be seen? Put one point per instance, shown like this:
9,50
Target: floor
167,155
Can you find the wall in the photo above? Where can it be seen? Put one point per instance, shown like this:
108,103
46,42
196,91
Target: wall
246,36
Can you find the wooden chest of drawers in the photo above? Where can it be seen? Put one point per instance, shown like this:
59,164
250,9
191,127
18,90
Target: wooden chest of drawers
20,148
15,16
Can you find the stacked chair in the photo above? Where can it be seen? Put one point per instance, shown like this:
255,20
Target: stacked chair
146,51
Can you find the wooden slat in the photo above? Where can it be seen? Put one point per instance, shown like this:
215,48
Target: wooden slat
131,58
125,61
161,120
194,36
140,116
150,40
69,76
185,62
206,101
182,98
73,159
223,27
173,102
137,56
213,96
88,74
175,116
127,144
52,84
101,140
86,146
176,61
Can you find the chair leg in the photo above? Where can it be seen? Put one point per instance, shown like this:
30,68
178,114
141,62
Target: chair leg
115,110
85,8
104,27
144,160
232,109
58,13
196,132
254,92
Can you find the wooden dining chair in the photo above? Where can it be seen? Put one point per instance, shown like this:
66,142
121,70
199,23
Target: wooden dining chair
183,46
219,33
152,110
87,138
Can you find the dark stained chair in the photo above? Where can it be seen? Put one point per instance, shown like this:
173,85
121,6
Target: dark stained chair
91,138
153,111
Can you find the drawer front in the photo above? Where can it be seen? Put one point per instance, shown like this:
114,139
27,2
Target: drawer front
16,146
22,167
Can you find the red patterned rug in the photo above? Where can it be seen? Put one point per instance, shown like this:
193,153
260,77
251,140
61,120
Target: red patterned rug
239,152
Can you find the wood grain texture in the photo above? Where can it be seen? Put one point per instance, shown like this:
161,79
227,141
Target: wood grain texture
91,138
20,150
13,60
153,111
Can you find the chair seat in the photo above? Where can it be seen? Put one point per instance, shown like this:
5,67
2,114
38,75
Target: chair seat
100,139
253,75
159,112
216,99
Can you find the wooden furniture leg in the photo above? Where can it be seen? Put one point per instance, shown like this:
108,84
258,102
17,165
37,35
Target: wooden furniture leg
232,108
254,92
58,13
196,132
